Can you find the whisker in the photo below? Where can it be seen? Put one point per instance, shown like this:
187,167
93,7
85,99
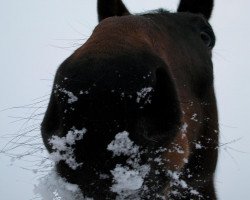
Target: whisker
233,141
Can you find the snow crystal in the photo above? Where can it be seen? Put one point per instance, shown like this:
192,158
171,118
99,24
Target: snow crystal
158,160
122,145
183,184
57,197
177,181
53,187
174,175
127,180
179,149
72,98
194,117
103,176
198,146
160,150
195,192
157,172
63,147
84,92
184,128
143,93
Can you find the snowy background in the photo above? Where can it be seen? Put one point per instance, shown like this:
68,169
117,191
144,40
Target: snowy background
37,35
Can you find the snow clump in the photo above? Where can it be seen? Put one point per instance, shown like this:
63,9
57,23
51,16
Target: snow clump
128,179
177,181
53,187
63,147
143,93
71,97
122,145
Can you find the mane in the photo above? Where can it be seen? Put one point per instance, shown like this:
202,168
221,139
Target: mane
160,11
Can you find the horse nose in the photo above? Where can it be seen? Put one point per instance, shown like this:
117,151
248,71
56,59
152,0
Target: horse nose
129,92
106,85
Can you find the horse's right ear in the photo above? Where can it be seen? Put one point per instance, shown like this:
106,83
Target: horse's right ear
109,8
203,7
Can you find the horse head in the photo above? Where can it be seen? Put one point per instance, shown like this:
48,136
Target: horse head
132,113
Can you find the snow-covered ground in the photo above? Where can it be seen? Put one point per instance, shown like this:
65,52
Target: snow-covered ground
36,36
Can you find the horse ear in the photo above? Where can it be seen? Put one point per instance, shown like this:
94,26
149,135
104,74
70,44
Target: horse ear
203,7
109,8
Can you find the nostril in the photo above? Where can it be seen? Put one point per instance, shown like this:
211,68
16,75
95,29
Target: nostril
160,120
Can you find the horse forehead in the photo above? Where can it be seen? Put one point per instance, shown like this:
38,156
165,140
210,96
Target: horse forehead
133,27
118,35
129,22
148,24
151,20
133,32
149,28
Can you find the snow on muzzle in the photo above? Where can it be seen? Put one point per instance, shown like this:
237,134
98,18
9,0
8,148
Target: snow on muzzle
88,115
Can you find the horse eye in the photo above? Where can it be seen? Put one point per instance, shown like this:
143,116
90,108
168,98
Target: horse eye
207,39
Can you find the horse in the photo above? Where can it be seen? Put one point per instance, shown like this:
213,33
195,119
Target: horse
132,112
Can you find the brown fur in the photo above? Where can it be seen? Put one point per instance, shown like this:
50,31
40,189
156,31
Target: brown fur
170,52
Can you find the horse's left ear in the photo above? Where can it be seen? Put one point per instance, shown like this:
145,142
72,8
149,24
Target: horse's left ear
109,8
203,7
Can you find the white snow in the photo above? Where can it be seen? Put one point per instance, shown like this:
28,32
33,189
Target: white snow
194,117
198,146
195,192
71,97
184,128
63,147
127,180
84,92
143,93
178,149
158,160
177,181
53,187
104,176
122,145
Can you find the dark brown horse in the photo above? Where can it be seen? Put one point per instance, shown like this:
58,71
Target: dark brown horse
132,114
